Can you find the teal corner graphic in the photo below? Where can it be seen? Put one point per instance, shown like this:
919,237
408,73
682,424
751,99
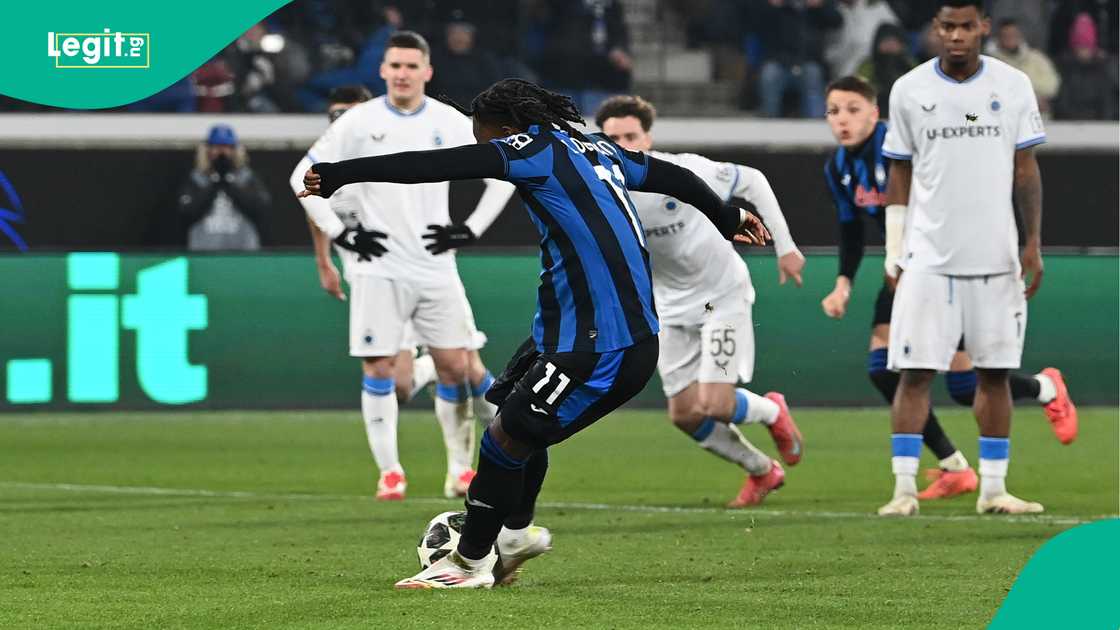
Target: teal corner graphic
84,55
1072,581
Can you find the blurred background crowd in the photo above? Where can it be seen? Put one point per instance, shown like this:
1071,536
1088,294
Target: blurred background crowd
692,57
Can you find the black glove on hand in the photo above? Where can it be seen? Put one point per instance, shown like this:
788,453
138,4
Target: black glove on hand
363,242
445,237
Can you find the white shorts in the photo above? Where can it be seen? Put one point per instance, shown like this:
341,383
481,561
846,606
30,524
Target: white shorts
721,350
409,343
934,313
380,308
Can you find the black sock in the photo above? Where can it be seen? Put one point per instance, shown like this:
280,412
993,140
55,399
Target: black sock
886,382
495,492
535,468
935,439
1023,386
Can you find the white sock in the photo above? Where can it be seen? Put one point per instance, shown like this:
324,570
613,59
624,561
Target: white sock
954,463
1046,389
457,427
379,411
484,410
751,408
905,475
725,441
993,476
423,373
512,538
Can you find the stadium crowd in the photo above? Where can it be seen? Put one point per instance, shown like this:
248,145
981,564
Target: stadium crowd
787,50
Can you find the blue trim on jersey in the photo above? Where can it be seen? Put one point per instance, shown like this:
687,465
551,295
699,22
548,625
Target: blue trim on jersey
378,386
1026,144
995,448
941,73
734,183
597,386
898,156
906,445
401,112
314,160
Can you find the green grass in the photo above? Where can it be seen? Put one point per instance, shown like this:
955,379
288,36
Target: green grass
275,557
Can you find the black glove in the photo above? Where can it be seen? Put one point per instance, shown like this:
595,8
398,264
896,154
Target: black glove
445,237
363,242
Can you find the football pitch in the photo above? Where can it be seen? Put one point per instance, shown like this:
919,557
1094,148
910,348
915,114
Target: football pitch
266,519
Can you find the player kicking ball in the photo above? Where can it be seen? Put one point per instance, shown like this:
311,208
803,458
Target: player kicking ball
594,336
704,297
961,140
856,174
400,267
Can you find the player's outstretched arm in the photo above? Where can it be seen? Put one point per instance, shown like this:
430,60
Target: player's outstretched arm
754,187
473,161
667,178
1028,197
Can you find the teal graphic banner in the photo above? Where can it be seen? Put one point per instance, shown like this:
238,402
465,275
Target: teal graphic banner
108,330
88,55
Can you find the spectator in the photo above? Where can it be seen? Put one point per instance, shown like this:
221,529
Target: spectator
365,71
178,98
1104,13
1031,16
461,70
791,33
1089,81
1010,46
585,50
214,86
847,45
889,60
222,203
929,43
267,67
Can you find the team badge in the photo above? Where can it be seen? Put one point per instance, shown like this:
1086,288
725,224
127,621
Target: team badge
994,103
437,139
671,204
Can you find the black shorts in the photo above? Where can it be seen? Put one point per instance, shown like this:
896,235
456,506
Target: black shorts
544,399
883,307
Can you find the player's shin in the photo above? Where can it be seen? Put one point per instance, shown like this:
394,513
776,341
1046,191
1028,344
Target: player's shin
536,466
452,412
494,494
725,441
995,453
379,411
905,450
484,410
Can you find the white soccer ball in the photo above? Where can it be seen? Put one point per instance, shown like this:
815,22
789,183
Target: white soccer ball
440,537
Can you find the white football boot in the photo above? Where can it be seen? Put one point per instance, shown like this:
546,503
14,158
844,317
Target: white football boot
1007,504
455,486
452,571
901,505
515,550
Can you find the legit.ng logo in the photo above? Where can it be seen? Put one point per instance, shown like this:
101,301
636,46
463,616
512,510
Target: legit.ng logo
105,50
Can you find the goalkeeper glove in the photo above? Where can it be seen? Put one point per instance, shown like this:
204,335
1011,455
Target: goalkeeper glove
363,242
445,237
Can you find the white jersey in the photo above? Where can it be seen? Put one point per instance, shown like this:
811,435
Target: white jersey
402,211
961,138
692,263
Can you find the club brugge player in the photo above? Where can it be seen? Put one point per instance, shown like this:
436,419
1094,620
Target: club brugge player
856,174
594,336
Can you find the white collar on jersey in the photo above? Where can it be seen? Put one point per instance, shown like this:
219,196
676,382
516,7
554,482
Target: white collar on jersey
401,112
941,73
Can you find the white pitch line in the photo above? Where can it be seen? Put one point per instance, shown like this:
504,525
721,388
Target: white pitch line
558,505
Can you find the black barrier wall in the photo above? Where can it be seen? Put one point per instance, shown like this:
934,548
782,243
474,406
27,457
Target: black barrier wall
124,198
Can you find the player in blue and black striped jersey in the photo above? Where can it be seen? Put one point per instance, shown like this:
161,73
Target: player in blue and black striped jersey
594,336
856,174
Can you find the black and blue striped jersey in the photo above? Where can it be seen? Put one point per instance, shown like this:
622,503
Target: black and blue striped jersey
857,180
596,292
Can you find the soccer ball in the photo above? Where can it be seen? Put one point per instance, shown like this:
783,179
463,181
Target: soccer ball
440,537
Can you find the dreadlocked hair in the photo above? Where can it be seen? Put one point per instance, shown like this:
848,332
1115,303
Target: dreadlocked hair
522,103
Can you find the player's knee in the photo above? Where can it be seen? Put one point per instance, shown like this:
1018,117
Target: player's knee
883,379
686,422
916,379
379,367
990,380
961,386
452,367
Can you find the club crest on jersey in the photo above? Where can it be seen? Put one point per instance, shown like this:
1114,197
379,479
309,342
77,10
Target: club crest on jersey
437,139
994,103
671,204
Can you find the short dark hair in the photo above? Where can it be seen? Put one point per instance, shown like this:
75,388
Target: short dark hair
409,39
623,106
1008,21
855,84
349,94
960,4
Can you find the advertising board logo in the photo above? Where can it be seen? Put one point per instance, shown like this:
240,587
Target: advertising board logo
105,50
